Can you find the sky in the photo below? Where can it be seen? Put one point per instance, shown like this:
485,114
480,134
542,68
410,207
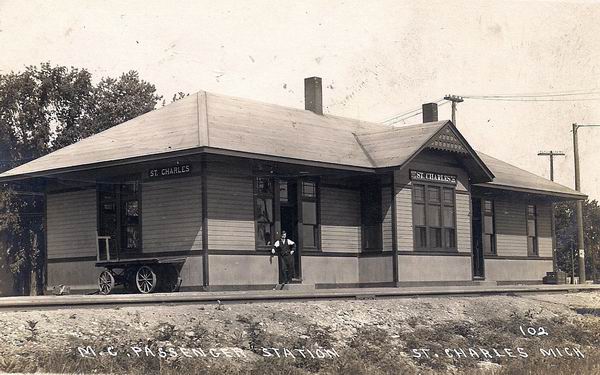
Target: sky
377,59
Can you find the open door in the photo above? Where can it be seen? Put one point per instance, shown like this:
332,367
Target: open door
288,211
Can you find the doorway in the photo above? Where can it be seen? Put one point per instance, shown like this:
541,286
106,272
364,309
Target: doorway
288,212
477,240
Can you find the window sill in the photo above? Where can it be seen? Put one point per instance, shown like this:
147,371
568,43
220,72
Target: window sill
436,250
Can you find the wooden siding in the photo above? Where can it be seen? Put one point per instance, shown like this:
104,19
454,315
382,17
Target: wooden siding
386,226
172,215
404,218
511,235
230,207
340,220
463,222
72,224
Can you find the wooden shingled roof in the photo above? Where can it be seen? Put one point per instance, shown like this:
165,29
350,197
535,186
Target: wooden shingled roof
206,122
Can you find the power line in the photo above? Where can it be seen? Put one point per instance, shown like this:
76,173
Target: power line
406,115
522,97
530,100
541,94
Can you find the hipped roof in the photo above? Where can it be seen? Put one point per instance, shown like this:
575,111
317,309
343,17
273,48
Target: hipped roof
206,122
509,177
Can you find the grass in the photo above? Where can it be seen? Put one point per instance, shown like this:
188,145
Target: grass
368,349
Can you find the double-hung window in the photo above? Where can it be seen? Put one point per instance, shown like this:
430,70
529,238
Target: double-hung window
310,222
371,216
489,227
532,243
434,217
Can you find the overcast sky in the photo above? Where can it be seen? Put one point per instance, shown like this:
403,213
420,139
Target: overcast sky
377,60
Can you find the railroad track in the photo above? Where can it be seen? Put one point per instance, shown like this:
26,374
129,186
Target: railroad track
228,297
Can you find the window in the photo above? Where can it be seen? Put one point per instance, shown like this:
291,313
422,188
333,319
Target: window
532,245
119,216
371,216
489,228
434,220
310,220
263,214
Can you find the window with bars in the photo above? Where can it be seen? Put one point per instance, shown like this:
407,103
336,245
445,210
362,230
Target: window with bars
532,242
434,217
489,227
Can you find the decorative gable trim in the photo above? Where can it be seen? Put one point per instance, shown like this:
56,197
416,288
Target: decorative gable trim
447,140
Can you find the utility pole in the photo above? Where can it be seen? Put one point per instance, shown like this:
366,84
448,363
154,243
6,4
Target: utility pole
579,212
454,99
552,154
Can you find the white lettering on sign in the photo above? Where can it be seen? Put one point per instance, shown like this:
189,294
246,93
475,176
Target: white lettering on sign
432,177
169,171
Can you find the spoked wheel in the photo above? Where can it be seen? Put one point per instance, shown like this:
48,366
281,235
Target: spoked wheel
106,282
145,280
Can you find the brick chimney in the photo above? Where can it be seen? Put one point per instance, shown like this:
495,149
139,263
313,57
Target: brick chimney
430,112
313,95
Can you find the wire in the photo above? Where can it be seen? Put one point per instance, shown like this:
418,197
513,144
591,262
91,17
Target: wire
542,94
507,99
413,115
409,113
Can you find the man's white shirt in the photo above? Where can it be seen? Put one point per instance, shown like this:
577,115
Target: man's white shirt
288,241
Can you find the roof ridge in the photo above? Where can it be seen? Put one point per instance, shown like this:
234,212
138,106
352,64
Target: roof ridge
394,129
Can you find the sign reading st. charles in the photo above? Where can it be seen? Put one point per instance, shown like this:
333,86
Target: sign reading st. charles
432,177
176,170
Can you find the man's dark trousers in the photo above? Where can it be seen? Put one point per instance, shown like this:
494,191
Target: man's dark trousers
288,267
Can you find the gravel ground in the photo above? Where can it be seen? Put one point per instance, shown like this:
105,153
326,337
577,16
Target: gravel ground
242,330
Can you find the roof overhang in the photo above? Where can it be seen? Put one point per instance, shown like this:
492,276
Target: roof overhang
181,153
564,196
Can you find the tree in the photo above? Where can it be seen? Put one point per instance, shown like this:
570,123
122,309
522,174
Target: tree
566,236
42,109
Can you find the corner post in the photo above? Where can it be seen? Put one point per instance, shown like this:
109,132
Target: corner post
394,231
204,183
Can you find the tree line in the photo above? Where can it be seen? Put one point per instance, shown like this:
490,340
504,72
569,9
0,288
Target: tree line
42,109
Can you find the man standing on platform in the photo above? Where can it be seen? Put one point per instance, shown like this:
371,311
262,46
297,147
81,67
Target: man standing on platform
284,247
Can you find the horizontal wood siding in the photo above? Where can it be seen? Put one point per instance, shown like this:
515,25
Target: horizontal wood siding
511,232
230,207
340,220
463,222
404,218
72,224
386,207
172,215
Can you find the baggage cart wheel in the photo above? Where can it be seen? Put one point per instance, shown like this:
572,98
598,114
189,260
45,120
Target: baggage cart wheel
106,282
145,279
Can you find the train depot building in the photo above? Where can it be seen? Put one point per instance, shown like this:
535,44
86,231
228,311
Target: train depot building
213,180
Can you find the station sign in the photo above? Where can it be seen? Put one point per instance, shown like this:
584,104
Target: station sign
432,177
171,171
